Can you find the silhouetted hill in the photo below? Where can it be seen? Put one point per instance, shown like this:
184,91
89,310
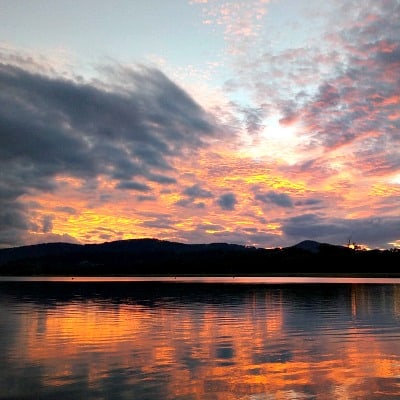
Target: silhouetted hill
158,257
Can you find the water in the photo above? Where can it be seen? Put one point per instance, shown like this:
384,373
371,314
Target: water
91,339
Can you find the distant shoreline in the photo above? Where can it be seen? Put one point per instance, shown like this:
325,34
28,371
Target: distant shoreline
152,257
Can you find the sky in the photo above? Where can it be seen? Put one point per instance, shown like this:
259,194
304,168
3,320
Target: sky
257,122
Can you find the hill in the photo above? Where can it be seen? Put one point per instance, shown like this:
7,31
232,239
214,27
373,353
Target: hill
158,257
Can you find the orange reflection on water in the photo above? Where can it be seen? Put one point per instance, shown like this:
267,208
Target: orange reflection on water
216,351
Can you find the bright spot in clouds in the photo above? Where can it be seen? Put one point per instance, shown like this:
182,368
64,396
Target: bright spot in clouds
275,141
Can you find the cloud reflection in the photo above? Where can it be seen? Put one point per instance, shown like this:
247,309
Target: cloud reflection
179,341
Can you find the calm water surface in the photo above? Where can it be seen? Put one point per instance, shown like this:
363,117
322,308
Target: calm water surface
88,339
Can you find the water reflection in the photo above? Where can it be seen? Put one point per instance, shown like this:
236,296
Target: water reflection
198,341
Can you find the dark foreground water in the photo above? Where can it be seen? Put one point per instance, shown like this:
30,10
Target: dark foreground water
193,340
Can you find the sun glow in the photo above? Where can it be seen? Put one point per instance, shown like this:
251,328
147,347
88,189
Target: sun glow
275,141
395,179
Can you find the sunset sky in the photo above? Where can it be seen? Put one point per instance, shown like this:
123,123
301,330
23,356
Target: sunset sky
257,122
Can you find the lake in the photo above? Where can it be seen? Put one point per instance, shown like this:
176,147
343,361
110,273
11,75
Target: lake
199,338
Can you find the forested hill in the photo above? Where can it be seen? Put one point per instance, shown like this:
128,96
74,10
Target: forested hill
158,257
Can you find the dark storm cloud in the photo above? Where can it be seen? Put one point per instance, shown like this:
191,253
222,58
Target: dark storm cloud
52,126
279,199
227,201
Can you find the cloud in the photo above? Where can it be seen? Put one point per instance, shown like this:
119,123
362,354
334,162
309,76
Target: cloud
309,202
279,199
190,203
239,19
159,221
48,237
14,220
141,187
47,223
191,196
355,103
227,201
196,191
66,209
377,230
145,198
208,233
51,126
